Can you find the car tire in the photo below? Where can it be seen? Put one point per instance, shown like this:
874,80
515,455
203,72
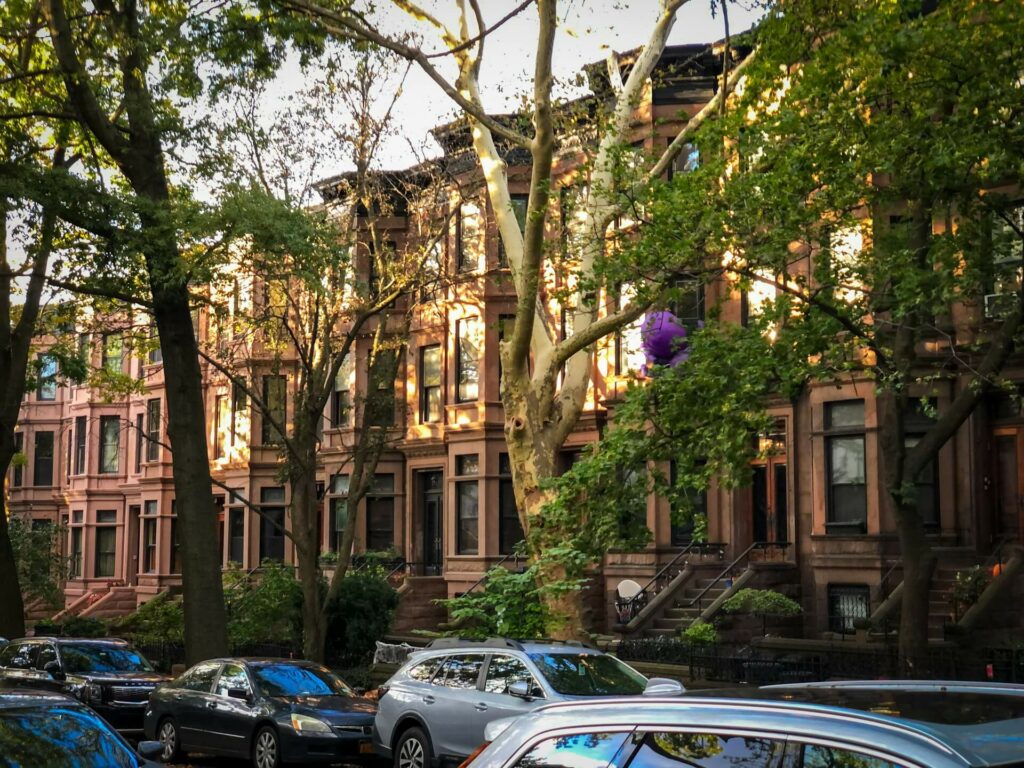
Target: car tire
167,734
413,750
266,748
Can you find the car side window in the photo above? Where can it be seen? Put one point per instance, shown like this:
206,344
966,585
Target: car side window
25,657
7,655
461,671
706,750
47,653
200,677
578,750
817,756
233,676
425,670
505,670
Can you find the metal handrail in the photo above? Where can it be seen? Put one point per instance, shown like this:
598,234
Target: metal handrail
515,556
729,568
884,581
693,546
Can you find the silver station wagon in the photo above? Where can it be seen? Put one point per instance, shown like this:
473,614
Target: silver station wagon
857,725
435,708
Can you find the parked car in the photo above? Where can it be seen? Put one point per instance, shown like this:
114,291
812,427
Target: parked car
45,728
895,725
437,705
274,711
108,674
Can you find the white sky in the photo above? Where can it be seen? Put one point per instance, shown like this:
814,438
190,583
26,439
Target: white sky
587,30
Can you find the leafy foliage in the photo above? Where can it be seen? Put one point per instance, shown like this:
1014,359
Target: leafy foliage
507,604
700,633
360,616
41,568
264,607
762,602
83,626
155,622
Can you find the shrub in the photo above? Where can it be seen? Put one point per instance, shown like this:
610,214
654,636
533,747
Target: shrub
359,617
507,604
263,608
159,621
78,626
763,603
700,633
41,569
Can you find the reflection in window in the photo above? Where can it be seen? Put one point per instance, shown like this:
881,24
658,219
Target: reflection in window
706,750
232,678
296,680
847,476
461,671
468,342
815,756
425,670
581,750
505,670
68,735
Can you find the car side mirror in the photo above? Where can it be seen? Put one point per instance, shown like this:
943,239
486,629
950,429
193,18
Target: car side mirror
53,667
150,749
663,686
238,693
521,690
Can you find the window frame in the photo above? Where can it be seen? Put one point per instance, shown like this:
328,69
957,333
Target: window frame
108,361
107,530
505,527
466,479
46,386
378,496
269,435
460,365
37,475
114,445
81,441
832,594
427,390
153,416
834,526
18,471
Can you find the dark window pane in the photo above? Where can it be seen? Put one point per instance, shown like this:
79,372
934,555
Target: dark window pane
468,517
68,735
706,750
468,346
200,677
80,443
19,469
467,464
505,670
430,384
275,399
510,531
236,534
42,469
815,756
424,670
462,671
380,522
849,413
110,443
106,550
47,387
583,750
847,604
232,677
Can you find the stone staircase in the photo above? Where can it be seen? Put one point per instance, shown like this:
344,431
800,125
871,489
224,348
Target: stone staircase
686,611
941,605
118,601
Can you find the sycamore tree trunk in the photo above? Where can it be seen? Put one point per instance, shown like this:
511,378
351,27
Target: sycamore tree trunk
305,531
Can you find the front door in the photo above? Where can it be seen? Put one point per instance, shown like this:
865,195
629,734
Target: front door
433,516
769,492
132,571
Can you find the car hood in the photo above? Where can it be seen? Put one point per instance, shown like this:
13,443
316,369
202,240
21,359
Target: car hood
122,678
332,709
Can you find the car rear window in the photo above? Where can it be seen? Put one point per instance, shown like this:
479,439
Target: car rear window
425,670
589,674
41,736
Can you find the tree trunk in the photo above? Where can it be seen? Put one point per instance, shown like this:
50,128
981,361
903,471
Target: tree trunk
12,608
305,531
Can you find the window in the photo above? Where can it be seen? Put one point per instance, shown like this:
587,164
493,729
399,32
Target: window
239,406
175,544
846,605
380,513
468,237
80,442
75,566
153,429
338,509
236,534
42,459
510,529
502,671
110,443
380,405
46,388
106,551
467,374
18,476
200,678
272,523
629,353
687,160
847,484
140,438
461,671
149,536
816,756
688,302
467,494
221,424
275,399
706,750
520,206
580,750
106,516
430,384
341,398
232,678
113,350
47,653
156,353
425,670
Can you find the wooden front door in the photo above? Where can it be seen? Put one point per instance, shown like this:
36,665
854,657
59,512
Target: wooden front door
1008,449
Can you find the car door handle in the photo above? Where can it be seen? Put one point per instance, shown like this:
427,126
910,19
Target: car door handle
481,707
428,699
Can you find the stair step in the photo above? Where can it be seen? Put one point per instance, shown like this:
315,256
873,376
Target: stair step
663,632
681,613
672,624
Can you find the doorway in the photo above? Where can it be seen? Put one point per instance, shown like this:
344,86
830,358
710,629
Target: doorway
769,491
431,484
1008,444
132,571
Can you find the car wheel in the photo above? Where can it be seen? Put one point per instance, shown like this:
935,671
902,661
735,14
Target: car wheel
413,750
266,749
167,734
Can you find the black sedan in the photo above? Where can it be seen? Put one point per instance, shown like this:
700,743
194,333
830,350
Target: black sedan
274,711
45,728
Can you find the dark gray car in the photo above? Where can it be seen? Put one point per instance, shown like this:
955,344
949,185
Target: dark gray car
437,705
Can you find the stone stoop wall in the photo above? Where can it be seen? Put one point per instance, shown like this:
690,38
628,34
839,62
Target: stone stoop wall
416,606
80,604
119,601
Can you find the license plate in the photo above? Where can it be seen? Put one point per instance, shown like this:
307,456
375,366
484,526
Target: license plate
366,748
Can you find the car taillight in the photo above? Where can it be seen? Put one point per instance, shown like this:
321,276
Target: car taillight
476,752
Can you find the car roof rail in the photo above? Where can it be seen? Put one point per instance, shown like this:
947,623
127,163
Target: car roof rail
552,641
466,642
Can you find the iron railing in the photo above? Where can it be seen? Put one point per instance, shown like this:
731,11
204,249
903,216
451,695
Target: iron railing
762,546
514,557
628,607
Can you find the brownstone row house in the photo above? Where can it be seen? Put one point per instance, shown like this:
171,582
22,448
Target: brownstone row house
814,516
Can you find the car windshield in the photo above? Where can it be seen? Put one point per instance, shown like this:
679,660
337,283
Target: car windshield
69,736
80,658
588,674
296,680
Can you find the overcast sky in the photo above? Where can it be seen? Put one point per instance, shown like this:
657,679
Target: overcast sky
588,29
